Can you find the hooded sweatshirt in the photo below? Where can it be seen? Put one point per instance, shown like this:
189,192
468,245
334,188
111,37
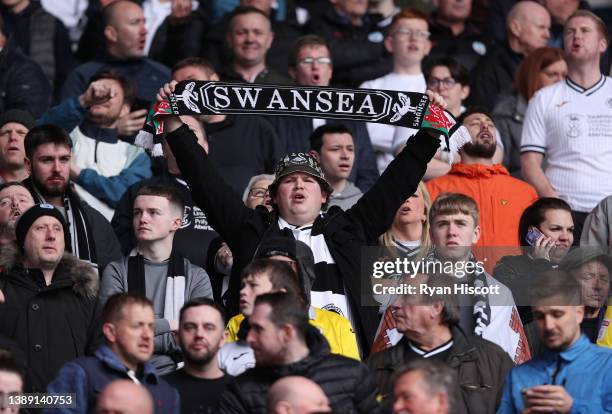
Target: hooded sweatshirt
347,197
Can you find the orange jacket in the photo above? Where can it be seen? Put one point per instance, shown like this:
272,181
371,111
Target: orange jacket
501,199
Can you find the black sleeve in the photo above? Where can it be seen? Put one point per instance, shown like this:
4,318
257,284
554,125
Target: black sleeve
376,209
231,401
365,393
107,246
366,170
223,207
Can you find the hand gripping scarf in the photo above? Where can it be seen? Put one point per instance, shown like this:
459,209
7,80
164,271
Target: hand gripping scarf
401,109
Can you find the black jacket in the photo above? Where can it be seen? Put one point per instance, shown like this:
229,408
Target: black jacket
241,147
346,382
493,76
176,40
44,38
52,324
358,52
481,368
467,47
23,84
295,135
345,232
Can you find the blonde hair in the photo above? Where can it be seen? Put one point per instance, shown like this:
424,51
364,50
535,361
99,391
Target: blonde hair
386,239
454,203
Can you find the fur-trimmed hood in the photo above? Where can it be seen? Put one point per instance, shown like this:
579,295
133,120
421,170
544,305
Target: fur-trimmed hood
85,281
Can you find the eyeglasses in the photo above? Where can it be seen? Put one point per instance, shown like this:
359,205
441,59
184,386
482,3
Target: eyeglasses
258,192
446,82
319,60
407,33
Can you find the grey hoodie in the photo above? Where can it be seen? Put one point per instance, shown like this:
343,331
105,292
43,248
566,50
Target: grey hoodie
345,198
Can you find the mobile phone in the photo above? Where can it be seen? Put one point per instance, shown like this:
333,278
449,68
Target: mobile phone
524,396
140,104
533,234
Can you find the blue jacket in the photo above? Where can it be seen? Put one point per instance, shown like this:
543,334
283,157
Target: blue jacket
69,114
585,372
86,377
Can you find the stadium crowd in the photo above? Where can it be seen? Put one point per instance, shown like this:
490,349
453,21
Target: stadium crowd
252,265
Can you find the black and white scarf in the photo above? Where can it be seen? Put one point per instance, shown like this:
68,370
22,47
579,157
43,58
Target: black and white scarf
402,109
481,308
175,284
82,243
328,291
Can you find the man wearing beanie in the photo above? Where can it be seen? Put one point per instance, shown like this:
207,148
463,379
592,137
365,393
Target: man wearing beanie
14,125
49,296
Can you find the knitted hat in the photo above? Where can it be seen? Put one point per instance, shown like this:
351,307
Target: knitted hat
300,162
19,116
32,214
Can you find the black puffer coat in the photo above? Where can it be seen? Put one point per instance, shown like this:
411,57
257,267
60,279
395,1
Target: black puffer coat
346,382
52,324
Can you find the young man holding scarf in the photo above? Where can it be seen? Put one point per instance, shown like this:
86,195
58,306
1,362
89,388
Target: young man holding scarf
154,270
299,192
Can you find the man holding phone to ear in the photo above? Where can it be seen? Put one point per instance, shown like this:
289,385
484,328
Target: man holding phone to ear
572,375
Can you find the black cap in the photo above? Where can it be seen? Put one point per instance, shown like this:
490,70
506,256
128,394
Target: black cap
301,162
32,214
19,116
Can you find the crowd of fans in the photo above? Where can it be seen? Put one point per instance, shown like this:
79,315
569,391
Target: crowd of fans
234,273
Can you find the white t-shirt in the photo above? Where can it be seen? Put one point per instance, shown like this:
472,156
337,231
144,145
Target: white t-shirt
573,127
381,135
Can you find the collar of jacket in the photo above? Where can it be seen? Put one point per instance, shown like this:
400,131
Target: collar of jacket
461,351
110,359
574,351
70,272
478,170
91,130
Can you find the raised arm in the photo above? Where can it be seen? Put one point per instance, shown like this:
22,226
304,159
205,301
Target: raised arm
376,209
223,207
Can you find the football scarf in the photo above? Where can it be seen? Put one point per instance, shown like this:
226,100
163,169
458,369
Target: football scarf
401,109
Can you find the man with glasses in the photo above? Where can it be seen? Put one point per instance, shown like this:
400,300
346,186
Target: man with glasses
310,64
408,42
